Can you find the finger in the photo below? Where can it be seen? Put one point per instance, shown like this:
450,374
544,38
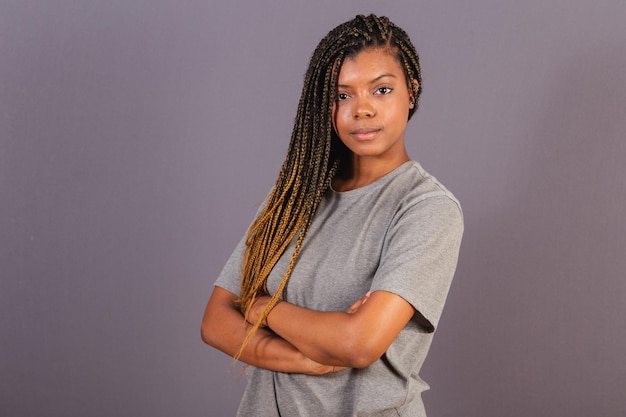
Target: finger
354,307
358,303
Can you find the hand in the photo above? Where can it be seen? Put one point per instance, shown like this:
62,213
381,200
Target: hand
257,310
320,369
355,307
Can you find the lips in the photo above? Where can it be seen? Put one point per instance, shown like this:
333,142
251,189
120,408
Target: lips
365,133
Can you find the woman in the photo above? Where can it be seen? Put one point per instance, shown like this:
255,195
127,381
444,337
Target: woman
334,294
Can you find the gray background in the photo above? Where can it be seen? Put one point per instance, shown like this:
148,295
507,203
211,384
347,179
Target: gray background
138,137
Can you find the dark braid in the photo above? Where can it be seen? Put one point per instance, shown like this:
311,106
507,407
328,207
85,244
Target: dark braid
315,152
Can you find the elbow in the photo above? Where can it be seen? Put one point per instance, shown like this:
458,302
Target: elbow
359,354
208,332
205,333
219,324
362,359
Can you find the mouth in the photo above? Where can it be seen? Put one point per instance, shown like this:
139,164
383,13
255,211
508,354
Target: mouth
365,133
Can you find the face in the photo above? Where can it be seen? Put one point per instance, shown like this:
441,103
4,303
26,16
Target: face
372,107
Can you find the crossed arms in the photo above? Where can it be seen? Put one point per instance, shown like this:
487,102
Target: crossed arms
299,340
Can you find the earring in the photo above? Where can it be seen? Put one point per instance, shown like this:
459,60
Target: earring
411,104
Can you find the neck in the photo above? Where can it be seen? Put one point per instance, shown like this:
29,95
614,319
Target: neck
358,171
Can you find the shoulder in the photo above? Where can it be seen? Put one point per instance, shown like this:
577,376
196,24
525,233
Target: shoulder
417,189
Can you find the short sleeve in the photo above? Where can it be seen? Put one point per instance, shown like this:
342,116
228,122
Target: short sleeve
420,254
230,277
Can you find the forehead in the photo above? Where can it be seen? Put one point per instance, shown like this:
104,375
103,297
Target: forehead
369,64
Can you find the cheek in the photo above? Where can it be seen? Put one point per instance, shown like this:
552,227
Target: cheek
400,113
344,113
340,115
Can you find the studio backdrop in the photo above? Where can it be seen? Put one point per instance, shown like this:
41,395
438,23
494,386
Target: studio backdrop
138,138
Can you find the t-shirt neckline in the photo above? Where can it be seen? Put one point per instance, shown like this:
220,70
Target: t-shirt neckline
376,184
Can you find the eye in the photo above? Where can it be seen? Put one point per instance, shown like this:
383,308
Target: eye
342,96
383,90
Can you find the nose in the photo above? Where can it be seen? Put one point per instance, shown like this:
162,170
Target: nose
363,108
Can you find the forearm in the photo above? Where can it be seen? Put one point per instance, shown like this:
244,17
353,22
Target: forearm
327,337
337,338
225,328
265,350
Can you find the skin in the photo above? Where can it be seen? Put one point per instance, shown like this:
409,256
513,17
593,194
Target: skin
225,328
370,117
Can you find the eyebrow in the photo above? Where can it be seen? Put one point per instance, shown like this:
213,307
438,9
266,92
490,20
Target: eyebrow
373,81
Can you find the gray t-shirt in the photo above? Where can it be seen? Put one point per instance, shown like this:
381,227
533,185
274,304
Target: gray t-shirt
399,234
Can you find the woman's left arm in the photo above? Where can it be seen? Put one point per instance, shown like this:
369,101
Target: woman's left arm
335,338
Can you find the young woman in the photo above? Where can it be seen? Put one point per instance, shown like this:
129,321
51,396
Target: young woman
334,294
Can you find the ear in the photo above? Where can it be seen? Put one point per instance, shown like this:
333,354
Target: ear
415,87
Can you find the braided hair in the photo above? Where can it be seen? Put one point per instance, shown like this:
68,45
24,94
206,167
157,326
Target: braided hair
315,153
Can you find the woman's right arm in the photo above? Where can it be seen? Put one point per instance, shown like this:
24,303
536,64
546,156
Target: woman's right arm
224,328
